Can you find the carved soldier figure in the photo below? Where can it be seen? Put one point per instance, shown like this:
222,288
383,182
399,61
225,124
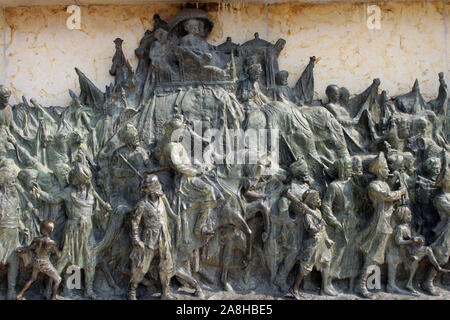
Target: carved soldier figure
334,106
250,95
194,193
374,238
78,244
43,247
387,111
425,141
125,181
6,116
78,151
152,213
124,192
360,178
317,247
285,229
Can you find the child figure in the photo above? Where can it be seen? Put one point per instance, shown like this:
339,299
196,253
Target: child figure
43,247
403,248
317,246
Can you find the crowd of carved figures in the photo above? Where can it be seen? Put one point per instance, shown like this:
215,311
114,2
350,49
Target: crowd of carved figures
105,185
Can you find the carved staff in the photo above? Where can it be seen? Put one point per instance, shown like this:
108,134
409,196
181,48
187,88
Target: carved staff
131,166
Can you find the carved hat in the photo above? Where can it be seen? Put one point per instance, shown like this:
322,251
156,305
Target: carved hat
176,23
151,182
80,174
309,194
176,122
129,134
378,163
299,168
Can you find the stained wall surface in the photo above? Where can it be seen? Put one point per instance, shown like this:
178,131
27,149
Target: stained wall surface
39,53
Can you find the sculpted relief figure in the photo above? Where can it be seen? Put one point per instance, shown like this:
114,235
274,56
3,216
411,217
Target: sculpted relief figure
340,210
350,123
7,125
303,92
286,230
441,245
152,212
427,215
197,57
405,248
125,188
317,246
193,193
43,247
78,244
249,92
120,68
374,238
283,91
10,223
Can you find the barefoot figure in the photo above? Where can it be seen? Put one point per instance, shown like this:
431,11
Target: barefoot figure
43,248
